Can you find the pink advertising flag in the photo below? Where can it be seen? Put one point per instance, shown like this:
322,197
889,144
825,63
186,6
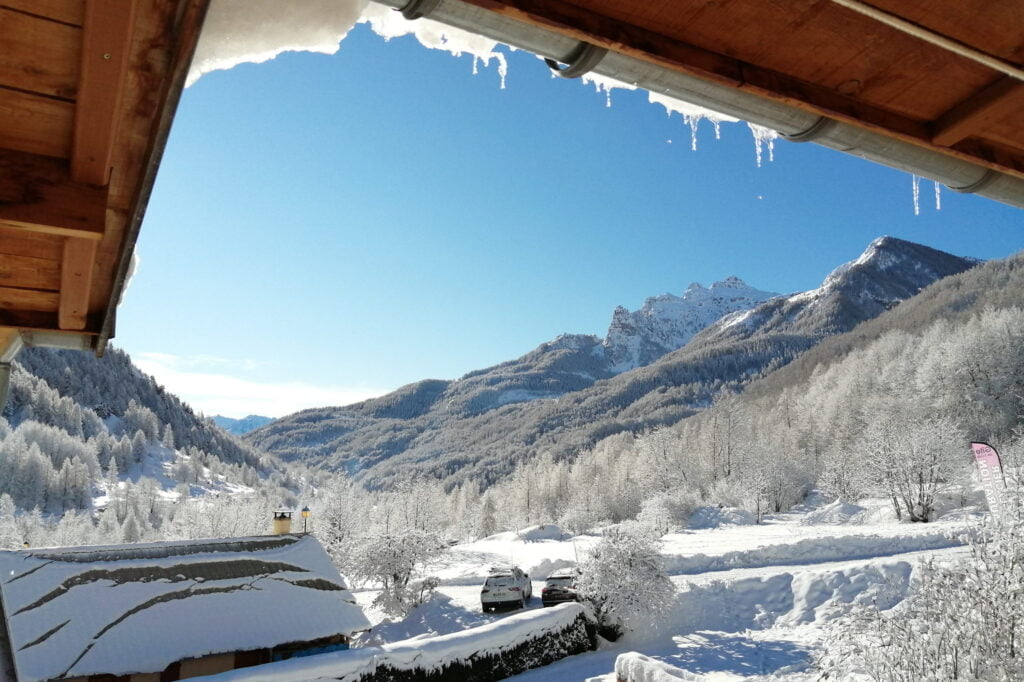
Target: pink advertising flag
990,472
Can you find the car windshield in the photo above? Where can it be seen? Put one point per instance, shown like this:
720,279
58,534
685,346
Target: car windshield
500,581
559,582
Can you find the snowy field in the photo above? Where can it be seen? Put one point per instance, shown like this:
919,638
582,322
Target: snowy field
753,600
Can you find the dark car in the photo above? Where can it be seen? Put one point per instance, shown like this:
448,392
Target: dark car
560,587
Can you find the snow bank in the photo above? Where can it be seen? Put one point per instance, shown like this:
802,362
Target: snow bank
716,517
790,598
834,513
547,531
634,667
811,550
522,641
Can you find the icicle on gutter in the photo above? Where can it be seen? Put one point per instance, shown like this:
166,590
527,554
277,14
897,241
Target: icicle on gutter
692,115
434,35
240,31
603,84
915,183
763,137
938,196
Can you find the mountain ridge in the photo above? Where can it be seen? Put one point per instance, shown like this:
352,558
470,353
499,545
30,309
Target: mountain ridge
472,427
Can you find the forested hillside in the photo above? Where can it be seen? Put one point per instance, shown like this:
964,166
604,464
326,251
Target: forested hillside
887,409
462,430
82,435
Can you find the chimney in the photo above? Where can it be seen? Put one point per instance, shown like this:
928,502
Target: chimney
282,522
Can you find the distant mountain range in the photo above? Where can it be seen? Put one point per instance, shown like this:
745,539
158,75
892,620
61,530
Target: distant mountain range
243,425
655,366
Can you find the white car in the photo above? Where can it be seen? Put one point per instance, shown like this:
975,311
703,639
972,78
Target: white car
506,587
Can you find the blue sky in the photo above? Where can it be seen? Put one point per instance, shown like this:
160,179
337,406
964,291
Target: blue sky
325,228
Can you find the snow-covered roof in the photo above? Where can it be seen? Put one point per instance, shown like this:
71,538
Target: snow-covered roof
138,608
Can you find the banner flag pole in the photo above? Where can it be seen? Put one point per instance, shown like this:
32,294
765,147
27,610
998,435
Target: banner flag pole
990,472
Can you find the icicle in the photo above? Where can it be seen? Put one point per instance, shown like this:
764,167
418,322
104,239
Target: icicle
763,137
476,61
718,128
693,122
606,84
938,197
915,182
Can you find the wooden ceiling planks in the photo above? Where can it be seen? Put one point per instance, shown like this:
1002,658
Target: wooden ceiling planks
825,58
71,12
87,92
817,41
39,55
992,26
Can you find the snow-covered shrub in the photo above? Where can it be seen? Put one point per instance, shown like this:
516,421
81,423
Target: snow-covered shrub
962,622
391,559
623,578
668,512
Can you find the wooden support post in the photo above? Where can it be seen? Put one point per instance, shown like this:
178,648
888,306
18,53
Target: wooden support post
76,283
105,48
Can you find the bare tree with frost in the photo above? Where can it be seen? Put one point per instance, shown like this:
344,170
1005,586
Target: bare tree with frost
913,462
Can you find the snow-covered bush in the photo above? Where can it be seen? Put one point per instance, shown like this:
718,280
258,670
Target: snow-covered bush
964,620
668,512
391,559
623,578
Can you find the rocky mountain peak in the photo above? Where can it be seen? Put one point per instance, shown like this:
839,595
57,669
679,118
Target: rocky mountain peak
666,322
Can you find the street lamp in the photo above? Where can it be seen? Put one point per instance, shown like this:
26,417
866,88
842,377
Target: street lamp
305,515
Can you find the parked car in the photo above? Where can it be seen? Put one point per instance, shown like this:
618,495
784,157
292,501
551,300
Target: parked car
560,587
507,586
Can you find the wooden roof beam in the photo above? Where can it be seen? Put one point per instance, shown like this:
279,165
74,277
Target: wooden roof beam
76,271
37,194
971,116
105,50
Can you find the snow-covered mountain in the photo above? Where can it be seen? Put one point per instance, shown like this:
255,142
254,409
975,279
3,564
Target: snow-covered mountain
567,394
667,322
889,270
243,425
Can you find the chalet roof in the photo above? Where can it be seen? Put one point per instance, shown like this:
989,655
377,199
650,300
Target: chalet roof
138,608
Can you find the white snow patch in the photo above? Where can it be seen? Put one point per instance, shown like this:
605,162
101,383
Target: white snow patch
715,517
835,512
636,667
546,531
243,31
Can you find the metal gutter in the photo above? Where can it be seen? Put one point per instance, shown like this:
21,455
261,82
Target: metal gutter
794,124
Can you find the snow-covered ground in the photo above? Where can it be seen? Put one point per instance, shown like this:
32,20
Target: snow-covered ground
753,599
